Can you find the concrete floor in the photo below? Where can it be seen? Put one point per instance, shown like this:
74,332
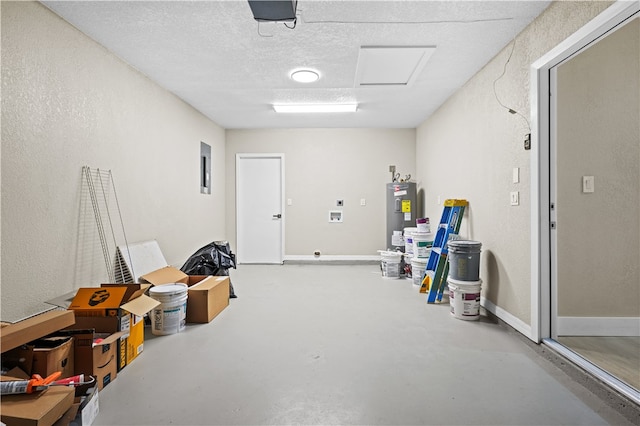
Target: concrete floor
326,344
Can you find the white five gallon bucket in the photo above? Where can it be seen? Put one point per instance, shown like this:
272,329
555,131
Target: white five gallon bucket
464,298
422,243
408,241
396,239
171,315
418,267
390,264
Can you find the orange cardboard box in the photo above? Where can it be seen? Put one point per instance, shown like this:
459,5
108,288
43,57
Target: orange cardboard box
125,302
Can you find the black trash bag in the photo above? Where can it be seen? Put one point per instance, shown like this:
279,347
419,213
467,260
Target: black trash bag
213,259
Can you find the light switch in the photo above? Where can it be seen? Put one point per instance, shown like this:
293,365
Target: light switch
363,202
516,175
289,202
588,184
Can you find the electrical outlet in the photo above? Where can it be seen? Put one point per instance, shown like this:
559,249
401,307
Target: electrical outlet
363,202
515,198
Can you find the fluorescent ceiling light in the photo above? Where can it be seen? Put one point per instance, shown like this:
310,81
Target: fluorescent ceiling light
305,76
311,108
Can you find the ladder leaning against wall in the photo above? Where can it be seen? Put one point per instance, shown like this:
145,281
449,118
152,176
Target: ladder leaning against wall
437,269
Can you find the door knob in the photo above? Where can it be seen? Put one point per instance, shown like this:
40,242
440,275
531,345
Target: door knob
277,216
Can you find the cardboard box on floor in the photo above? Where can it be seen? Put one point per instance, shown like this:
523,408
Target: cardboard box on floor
44,356
207,296
207,299
139,304
123,307
96,354
52,354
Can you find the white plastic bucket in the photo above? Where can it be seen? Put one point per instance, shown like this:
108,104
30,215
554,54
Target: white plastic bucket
422,243
390,264
464,298
171,315
418,267
423,225
396,239
408,241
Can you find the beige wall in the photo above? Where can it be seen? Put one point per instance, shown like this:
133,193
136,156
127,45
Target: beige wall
68,102
598,135
470,146
322,166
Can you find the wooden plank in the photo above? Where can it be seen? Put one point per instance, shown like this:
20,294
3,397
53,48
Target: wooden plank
14,335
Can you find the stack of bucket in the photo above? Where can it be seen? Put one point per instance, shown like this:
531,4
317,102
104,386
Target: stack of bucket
421,243
464,278
408,241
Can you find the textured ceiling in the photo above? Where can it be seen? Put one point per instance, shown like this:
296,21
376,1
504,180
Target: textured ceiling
216,57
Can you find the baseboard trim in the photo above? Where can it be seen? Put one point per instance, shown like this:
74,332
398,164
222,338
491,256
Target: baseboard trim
336,259
508,318
598,326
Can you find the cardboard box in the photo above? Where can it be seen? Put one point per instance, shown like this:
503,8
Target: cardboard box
125,302
135,341
20,333
88,409
138,305
207,299
94,357
170,275
37,409
53,354
108,326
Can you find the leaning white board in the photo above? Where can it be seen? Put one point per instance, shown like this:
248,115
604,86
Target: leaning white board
138,259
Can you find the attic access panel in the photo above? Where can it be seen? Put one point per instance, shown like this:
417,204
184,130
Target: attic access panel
391,66
273,10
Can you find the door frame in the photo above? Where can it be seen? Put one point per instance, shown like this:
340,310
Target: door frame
540,170
541,131
280,156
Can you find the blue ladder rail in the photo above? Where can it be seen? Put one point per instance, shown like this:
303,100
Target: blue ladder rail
437,269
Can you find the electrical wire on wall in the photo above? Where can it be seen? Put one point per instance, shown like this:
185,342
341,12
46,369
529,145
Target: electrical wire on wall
342,21
291,27
403,22
495,93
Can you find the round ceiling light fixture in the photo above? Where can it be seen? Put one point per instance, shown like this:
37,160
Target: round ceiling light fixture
305,76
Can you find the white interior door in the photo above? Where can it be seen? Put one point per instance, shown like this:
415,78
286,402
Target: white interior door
259,208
